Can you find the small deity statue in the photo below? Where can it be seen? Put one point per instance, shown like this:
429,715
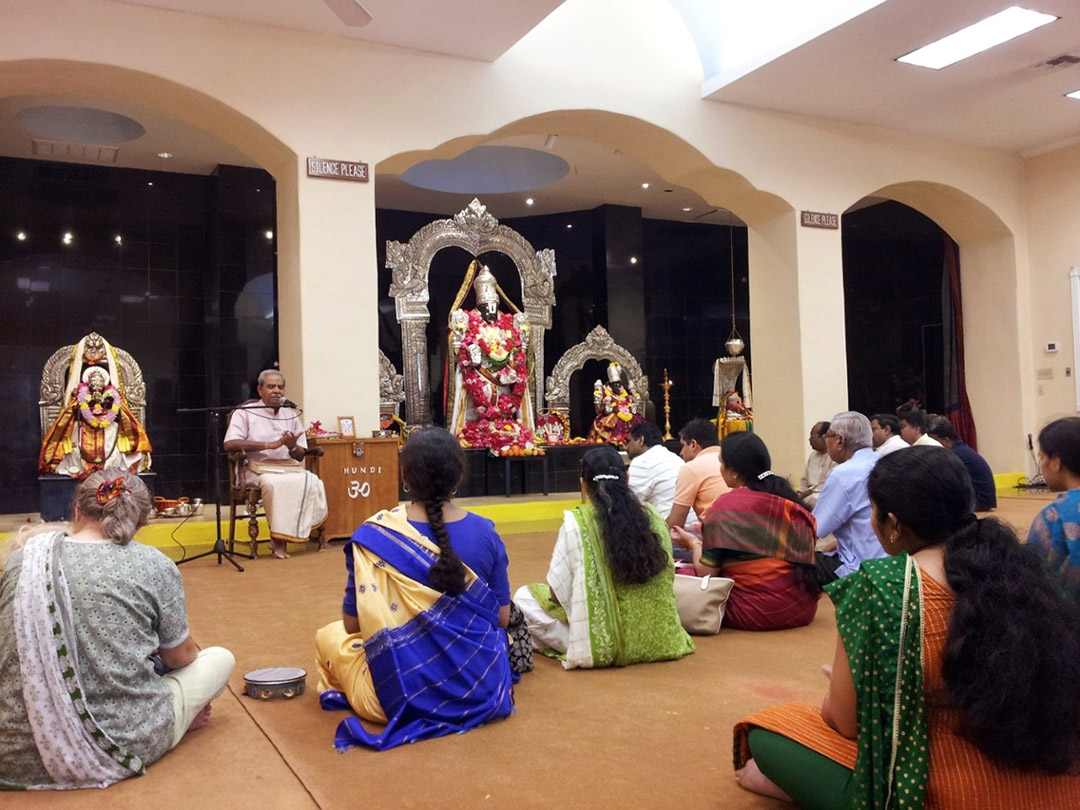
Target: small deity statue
491,392
95,429
616,409
734,415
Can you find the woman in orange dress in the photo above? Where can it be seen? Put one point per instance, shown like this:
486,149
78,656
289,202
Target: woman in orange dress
954,680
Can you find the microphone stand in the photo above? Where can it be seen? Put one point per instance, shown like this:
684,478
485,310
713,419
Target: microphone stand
213,451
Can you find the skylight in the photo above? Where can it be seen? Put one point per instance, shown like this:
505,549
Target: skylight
985,34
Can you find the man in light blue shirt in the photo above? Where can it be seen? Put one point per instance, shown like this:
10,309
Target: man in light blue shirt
843,508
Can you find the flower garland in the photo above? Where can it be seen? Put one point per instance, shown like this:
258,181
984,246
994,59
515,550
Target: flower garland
503,357
500,348
105,412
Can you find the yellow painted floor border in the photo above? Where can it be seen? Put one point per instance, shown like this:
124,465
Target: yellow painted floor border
176,537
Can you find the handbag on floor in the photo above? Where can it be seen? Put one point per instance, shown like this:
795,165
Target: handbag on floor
700,602
521,649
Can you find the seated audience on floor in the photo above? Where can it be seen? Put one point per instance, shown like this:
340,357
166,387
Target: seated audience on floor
886,432
699,482
609,599
843,509
760,535
913,426
950,687
1055,532
653,468
84,613
941,430
421,645
273,441
818,466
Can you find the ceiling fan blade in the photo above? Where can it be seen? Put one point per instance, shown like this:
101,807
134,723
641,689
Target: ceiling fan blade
350,12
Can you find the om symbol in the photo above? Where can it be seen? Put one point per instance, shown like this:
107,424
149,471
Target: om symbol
358,490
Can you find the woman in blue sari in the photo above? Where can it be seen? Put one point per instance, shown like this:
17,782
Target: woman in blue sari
421,646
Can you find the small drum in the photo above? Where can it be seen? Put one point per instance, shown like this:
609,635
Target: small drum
275,682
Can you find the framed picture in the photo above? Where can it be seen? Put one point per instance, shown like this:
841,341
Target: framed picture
346,427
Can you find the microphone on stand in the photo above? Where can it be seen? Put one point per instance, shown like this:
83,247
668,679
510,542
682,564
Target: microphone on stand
289,404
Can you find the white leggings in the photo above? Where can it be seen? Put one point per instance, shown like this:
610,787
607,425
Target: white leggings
196,685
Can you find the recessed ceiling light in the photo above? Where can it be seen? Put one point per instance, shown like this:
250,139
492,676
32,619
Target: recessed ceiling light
269,234
644,185
569,225
164,155
687,208
150,183
1074,94
994,30
118,239
633,260
68,238
21,236
528,200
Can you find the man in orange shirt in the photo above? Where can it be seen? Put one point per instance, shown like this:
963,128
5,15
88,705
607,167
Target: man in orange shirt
699,482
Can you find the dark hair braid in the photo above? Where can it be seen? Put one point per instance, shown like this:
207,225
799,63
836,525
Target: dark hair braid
448,573
1012,654
747,455
634,553
432,465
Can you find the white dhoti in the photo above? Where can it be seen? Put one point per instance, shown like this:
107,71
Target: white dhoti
295,503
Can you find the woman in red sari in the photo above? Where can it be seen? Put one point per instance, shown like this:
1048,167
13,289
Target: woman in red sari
760,535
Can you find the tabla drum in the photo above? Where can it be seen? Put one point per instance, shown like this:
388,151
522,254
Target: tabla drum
274,683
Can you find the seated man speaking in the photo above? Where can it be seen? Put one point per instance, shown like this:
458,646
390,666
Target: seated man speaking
273,442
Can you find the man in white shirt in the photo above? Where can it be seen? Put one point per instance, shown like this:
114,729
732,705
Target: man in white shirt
653,468
817,466
886,429
269,432
913,428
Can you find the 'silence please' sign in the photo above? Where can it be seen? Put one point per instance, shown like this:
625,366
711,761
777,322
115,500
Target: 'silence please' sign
817,219
337,169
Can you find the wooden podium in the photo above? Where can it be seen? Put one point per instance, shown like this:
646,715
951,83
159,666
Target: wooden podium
360,476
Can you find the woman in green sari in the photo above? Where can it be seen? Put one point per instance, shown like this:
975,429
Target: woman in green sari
609,599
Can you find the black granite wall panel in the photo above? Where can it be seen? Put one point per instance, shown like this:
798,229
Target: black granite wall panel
155,293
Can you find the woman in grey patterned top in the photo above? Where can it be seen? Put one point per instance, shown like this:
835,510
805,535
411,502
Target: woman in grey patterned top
81,614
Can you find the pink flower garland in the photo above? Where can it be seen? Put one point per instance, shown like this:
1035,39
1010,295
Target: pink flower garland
500,346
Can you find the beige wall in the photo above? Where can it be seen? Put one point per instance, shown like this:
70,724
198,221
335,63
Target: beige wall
1053,192
620,72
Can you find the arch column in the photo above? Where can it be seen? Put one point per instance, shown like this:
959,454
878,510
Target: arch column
797,331
327,295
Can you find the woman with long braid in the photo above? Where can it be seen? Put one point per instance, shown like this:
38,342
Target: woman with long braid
609,599
761,535
421,646
954,680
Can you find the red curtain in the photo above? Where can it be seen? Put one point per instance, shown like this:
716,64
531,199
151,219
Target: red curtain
957,406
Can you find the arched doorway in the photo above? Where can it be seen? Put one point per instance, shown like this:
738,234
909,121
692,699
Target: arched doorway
986,253
178,268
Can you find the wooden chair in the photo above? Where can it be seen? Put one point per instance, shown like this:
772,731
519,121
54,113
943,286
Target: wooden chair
249,495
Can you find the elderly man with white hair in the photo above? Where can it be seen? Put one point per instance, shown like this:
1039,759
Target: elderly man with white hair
843,508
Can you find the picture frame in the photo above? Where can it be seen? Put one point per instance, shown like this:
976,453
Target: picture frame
346,427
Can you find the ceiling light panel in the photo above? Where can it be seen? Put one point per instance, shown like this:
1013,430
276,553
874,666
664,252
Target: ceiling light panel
985,34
